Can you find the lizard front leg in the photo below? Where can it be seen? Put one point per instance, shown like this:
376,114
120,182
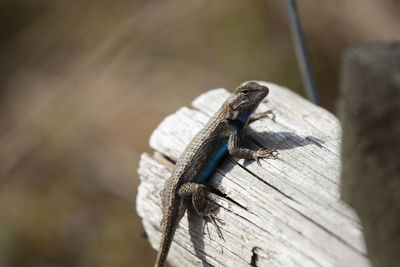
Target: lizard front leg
196,193
235,149
261,115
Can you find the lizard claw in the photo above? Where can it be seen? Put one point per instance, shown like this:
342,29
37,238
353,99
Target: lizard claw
265,153
210,216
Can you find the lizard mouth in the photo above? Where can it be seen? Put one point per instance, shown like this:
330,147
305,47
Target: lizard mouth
263,92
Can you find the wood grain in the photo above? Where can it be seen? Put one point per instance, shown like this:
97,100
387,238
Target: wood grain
283,212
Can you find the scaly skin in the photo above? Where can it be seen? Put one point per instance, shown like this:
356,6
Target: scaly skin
221,134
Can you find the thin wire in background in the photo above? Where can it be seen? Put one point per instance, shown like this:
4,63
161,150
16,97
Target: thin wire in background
302,54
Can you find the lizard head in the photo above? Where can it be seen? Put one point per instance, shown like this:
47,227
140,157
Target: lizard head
244,100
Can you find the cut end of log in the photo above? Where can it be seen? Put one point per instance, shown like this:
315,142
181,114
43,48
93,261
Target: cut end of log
281,212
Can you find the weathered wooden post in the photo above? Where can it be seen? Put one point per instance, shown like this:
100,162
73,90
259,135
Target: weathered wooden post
283,212
370,116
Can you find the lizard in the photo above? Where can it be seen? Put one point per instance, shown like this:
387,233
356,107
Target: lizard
222,134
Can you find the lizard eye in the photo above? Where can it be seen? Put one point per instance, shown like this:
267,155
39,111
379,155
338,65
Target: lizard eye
245,92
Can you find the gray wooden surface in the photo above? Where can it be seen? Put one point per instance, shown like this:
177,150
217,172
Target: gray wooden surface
283,212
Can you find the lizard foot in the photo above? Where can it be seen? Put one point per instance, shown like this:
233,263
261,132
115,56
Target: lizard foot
210,216
261,115
265,153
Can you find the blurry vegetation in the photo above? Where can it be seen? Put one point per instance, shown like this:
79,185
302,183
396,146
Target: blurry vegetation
84,83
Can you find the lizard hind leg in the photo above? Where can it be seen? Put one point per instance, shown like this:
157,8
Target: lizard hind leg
196,193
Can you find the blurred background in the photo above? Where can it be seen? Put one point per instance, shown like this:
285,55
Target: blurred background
84,83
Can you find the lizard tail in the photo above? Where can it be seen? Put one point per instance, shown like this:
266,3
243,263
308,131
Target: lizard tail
165,244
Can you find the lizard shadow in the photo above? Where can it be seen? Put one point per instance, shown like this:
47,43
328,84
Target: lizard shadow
195,233
282,140
278,141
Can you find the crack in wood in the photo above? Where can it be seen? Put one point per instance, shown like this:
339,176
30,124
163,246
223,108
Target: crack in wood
225,196
265,182
164,159
328,231
254,256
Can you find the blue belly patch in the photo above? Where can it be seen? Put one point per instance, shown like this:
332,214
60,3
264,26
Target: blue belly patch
244,116
212,162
